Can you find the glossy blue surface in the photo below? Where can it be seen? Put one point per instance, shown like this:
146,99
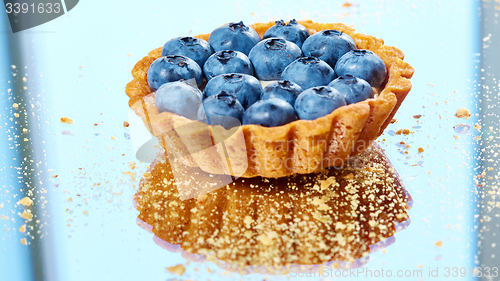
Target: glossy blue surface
77,66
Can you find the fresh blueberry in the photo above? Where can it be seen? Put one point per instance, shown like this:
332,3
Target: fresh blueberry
234,36
353,89
309,72
222,109
173,68
363,64
180,98
284,89
271,56
328,45
269,113
196,49
317,102
245,87
292,31
228,61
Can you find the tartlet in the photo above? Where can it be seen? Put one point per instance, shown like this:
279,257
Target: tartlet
300,147
335,215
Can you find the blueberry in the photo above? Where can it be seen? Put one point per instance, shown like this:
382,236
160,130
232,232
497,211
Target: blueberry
180,98
222,109
228,61
284,89
173,68
196,49
309,72
245,87
269,113
328,45
353,89
271,56
234,36
292,31
317,102
363,64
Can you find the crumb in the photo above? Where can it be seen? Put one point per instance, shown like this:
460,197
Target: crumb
347,4
26,201
126,124
26,214
177,269
439,243
132,175
417,116
15,106
393,120
22,228
66,120
24,241
430,84
420,150
463,113
403,132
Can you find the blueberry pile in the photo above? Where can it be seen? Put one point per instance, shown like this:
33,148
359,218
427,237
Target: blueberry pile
311,75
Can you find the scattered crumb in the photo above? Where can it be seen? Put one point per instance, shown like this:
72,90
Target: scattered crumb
26,201
393,120
177,269
132,175
15,106
439,243
22,228
417,116
26,214
347,4
463,113
430,84
420,150
24,241
403,132
126,124
66,120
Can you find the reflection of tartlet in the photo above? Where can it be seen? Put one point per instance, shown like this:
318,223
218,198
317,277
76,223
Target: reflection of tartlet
334,215
310,145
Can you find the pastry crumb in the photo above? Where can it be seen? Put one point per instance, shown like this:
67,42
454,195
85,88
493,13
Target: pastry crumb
26,201
26,214
66,120
463,113
403,132
24,241
420,150
177,269
347,4
439,243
